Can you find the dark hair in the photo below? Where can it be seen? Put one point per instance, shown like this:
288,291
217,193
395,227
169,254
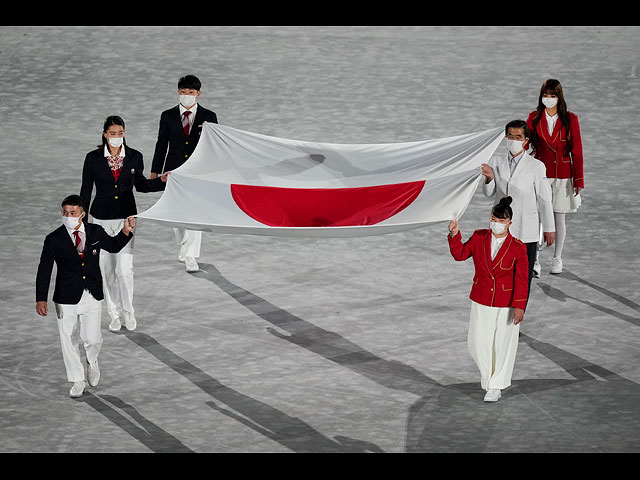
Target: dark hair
74,200
189,81
502,209
517,124
554,87
111,120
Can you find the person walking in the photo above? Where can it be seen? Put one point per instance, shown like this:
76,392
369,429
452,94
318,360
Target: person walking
556,141
178,136
498,296
75,248
115,169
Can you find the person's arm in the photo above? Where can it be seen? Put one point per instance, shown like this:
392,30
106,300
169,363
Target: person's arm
43,277
459,251
160,152
144,184
544,203
114,244
576,155
87,183
489,185
520,285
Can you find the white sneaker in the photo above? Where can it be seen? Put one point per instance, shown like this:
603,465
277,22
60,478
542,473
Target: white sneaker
556,266
77,390
115,324
93,374
492,395
130,322
191,265
537,269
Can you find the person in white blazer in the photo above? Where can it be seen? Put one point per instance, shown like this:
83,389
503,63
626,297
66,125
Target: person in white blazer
524,179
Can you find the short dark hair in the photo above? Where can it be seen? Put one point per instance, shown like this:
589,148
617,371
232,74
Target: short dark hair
517,124
189,81
74,200
503,209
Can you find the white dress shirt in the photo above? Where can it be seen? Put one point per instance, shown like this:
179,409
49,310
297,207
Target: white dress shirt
496,243
513,161
551,122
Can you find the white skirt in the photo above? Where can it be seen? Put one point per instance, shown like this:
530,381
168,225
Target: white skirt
564,198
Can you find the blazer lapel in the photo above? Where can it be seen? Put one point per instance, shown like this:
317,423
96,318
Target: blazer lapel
197,122
544,127
502,252
68,243
487,250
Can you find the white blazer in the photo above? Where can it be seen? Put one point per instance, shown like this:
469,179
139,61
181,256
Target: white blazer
530,192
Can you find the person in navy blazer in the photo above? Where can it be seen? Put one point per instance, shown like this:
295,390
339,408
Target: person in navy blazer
178,136
75,248
116,169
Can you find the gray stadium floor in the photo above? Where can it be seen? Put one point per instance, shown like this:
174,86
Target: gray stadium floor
338,345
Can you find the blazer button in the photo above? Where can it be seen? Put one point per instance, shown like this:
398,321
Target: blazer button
82,264
186,143
116,197
83,277
186,156
116,186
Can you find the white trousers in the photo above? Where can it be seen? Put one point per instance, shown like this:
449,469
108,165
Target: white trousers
79,323
189,242
117,272
493,344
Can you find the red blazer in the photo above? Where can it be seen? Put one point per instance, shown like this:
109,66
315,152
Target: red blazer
503,282
550,149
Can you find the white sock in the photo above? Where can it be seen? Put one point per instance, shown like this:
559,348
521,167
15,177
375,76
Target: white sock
561,233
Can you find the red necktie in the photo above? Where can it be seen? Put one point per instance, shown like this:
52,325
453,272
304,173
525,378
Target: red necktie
185,122
78,241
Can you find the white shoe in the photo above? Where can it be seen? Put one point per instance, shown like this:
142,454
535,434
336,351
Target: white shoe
77,390
191,265
492,395
537,269
115,324
556,266
93,374
130,321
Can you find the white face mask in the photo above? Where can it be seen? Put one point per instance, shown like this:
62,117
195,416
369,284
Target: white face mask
515,146
497,227
549,102
71,222
187,101
115,142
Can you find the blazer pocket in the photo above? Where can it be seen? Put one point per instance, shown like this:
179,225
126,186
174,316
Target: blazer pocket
513,262
506,289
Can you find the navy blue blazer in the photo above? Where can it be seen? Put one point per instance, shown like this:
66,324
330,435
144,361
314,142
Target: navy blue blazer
75,273
114,199
171,135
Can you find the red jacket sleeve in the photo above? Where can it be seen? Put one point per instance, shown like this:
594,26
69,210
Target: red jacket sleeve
521,281
576,152
460,251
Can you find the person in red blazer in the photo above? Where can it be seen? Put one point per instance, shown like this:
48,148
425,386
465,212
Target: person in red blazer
556,141
498,296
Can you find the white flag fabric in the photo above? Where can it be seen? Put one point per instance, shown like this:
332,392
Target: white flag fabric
247,183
